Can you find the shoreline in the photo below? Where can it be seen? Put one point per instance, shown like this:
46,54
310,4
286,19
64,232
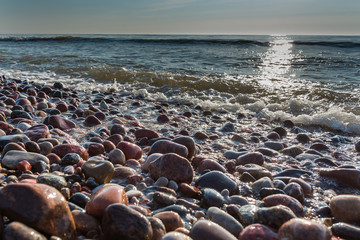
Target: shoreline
209,146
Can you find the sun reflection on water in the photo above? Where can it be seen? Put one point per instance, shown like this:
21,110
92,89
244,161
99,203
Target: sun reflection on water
276,62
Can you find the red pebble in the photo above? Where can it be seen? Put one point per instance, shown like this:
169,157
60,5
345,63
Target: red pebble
134,179
257,231
29,180
24,166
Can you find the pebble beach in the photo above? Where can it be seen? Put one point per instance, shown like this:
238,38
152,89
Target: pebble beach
97,164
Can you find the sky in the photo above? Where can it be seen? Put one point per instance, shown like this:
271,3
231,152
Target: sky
180,17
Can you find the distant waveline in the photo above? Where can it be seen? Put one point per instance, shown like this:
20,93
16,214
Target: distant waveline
159,40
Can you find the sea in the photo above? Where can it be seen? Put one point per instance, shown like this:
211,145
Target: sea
311,80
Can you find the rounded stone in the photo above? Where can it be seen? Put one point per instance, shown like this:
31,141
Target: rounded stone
258,232
101,170
79,199
173,167
176,236
301,229
254,170
131,150
273,216
91,121
149,134
116,156
15,138
59,122
166,146
105,196
349,176
12,146
122,222
13,157
45,209
218,181
95,149
170,219
53,180
204,230
294,190
32,147
225,220
70,159
19,231
85,222
346,208
38,131
345,231
285,200
189,143
209,164
117,129
211,198
62,149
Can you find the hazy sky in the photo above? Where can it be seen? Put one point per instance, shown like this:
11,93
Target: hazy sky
181,16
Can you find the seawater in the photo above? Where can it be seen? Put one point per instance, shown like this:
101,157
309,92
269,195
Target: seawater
312,80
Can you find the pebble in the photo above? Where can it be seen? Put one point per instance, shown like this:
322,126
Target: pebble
53,180
36,132
258,232
349,177
261,183
250,158
13,157
158,228
15,138
189,143
18,230
294,190
12,146
301,229
59,122
204,230
211,198
254,170
218,181
173,167
85,222
346,208
131,150
273,217
175,236
165,146
91,121
101,170
122,222
79,199
285,200
44,209
170,219
277,146
105,196
225,220
145,133
345,231
62,149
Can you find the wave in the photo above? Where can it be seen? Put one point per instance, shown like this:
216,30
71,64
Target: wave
165,39
338,44
135,40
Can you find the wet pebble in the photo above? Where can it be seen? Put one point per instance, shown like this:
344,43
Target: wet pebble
44,209
346,208
225,220
101,170
218,181
301,229
105,196
273,216
257,232
122,222
170,219
204,229
345,231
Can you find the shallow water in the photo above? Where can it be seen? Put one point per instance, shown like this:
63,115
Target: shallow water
312,80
